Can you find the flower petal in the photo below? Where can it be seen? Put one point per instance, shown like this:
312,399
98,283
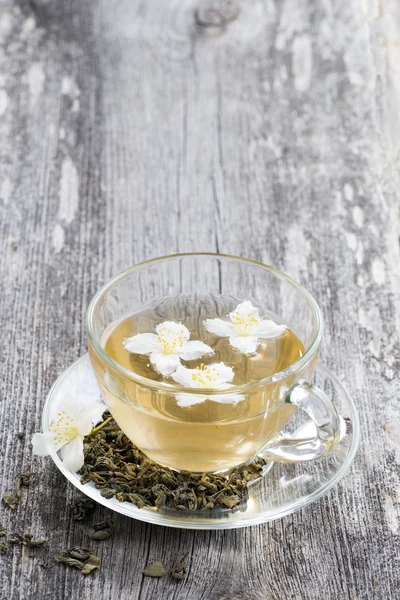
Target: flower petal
183,376
43,444
227,398
244,310
245,344
185,400
219,327
89,416
222,373
142,343
211,376
166,364
269,329
69,404
83,383
194,349
72,454
173,328
172,333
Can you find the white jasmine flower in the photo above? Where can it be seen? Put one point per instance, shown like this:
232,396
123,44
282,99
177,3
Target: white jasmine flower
244,328
67,431
167,346
215,376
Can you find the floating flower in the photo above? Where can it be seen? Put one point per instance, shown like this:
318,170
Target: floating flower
245,328
215,376
167,346
67,430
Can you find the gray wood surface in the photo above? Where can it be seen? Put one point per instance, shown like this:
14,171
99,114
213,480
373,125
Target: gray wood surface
127,131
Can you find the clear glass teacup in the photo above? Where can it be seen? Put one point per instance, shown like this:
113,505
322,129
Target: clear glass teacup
214,428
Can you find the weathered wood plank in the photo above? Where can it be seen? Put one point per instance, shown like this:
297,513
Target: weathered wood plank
127,131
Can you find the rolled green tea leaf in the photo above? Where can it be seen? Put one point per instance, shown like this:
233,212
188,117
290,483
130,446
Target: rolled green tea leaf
3,547
79,558
23,479
83,508
119,469
155,569
102,530
93,563
178,571
11,500
26,540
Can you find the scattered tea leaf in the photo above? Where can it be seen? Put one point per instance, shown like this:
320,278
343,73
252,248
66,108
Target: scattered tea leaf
21,435
3,547
119,469
26,540
68,560
102,530
91,565
11,500
216,14
82,509
178,571
79,553
3,531
79,558
23,479
155,569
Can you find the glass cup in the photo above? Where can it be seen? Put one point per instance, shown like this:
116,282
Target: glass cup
214,436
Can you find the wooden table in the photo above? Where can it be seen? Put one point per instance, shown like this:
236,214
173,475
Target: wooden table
129,130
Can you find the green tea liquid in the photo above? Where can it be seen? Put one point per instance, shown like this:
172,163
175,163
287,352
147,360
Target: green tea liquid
209,436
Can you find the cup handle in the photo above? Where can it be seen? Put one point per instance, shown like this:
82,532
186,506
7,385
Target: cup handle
316,438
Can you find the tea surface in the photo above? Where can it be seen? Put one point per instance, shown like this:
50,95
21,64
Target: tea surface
273,355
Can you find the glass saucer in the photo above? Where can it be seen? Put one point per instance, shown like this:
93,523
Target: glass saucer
284,488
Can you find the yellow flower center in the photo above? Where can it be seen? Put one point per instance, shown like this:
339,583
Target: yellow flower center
205,376
245,324
171,341
64,428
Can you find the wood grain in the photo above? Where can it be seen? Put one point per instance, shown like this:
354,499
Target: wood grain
128,131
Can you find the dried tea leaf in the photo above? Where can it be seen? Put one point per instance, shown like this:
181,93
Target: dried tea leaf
191,500
178,571
11,500
102,530
120,470
79,558
155,569
229,501
82,508
26,540
67,560
138,499
159,498
21,435
3,547
91,565
79,553
217,14
3,531
23,479
107,493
